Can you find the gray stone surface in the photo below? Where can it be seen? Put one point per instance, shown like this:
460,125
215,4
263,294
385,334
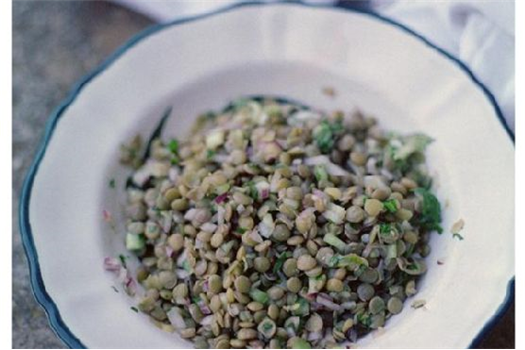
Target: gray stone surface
54,44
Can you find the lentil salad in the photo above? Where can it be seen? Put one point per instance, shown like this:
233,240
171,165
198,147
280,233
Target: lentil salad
277,226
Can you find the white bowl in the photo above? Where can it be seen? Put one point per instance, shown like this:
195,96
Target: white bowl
281,50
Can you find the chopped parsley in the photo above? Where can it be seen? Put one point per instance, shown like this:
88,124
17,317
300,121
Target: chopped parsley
134,309
430,216
280,261
122,260
252,190
173,146
320,173
210,154
385,228
390,205
301,308
365,320
186,266
324,135
267,326
112,183
240,230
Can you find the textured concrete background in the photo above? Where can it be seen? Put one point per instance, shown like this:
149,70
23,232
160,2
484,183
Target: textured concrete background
54,45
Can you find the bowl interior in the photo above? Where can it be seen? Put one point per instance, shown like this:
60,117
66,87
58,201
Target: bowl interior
293,52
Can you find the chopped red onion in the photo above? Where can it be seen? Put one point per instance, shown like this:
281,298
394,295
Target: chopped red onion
320,194
282,143
221,198
169,251
208,320
313,336
310,296
107,215
130,286
204,308
263,189
190,214
327,302
112,264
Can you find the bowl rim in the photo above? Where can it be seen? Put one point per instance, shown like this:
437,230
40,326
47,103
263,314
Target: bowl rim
37,282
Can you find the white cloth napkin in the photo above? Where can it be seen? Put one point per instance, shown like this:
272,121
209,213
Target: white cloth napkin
480,33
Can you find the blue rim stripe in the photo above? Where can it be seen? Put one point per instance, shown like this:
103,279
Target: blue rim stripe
39,290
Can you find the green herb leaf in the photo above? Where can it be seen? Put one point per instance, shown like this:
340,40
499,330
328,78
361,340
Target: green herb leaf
186,266
112,183
240,230
259,295
280,261
320,173
134,309
252,190
390,205
324,137
301,308
267,326
122,260
352,261
430,216
422,179
365,320
173,146
210,154
385,228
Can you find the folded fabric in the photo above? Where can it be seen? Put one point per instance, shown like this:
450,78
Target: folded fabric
479,33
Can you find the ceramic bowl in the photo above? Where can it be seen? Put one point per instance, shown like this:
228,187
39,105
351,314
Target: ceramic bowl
290,51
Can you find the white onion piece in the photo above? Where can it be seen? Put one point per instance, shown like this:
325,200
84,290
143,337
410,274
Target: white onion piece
208,227
331,168
329,304
176,319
